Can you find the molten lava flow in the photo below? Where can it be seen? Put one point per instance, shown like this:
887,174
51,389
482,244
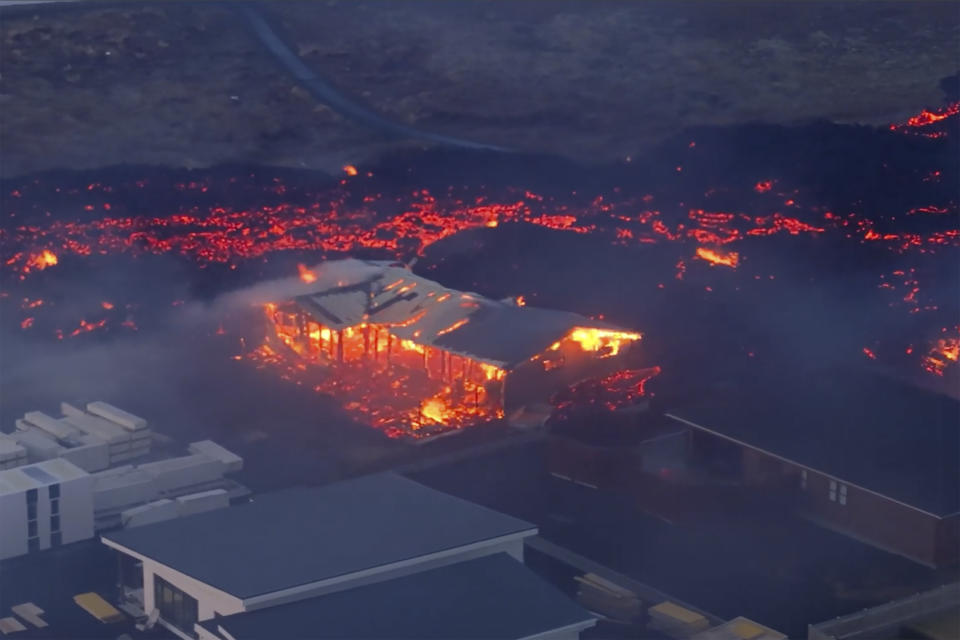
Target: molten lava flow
714,257
927,117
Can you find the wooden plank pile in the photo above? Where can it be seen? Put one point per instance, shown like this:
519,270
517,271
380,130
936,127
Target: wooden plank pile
676,621
608,599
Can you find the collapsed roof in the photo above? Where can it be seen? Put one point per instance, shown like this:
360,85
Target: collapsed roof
352,292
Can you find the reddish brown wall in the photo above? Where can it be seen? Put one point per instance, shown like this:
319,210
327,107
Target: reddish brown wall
873,519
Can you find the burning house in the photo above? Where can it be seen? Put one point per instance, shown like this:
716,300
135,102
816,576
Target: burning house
416,358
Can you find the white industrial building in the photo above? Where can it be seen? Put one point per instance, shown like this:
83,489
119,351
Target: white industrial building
89,450
44,505
307,543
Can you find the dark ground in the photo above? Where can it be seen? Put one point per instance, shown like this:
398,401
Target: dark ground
184,84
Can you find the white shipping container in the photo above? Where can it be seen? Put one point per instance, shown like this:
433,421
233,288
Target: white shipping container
89,457
38,444
115,490
56,428
203,501
180,473
149,513
112,433
10,449
211,449
119,416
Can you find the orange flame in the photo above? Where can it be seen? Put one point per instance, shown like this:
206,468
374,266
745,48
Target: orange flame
306,275
597,340
43,260
728,259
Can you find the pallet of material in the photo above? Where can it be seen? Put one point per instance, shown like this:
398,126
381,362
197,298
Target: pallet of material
31,613
97,607
607,598
119,416
11,625
38,444
676,621
57,429
12,454
740,628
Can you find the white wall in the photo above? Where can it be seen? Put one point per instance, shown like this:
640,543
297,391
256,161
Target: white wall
13,525
76,509
210,601
76,514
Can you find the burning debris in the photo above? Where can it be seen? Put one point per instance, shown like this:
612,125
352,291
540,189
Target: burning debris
414,358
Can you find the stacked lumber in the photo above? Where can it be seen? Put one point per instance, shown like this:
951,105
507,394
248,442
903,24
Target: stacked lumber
608,599
676,621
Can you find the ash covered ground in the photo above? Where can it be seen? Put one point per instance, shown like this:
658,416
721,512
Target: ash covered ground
188,85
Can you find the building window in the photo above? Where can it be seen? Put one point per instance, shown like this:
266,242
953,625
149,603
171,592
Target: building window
54,491
54,523
803,478
33,544
32,529
55,507
56,539
31,496
176,607
31,511
843,494
833,491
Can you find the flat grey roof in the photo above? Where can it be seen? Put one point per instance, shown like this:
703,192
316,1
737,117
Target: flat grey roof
304,535
489,598
881,434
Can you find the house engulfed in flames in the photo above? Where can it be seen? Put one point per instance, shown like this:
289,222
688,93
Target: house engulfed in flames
414,358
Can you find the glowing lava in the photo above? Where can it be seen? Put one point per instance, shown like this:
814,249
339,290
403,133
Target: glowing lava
714,257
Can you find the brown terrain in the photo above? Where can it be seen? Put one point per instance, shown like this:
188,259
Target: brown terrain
189,85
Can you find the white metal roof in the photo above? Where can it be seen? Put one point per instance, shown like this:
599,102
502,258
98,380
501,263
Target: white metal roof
40,474
351,292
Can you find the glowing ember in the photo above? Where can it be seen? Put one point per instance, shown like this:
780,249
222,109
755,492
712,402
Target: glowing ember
350,170
714,257
88,326
306,275
106,305
611,392
944,353
41,261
